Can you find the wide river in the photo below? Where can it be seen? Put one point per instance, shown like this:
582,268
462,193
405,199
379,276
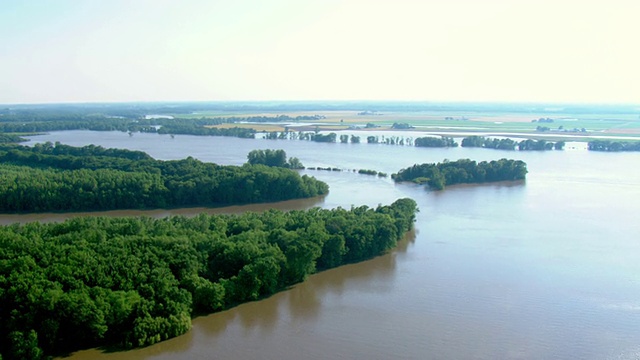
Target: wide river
543,269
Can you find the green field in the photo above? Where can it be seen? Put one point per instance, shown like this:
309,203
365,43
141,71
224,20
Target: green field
594,124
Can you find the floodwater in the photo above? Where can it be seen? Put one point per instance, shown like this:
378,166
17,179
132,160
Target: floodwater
542,269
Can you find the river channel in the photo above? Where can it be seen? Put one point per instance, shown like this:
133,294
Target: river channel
546,268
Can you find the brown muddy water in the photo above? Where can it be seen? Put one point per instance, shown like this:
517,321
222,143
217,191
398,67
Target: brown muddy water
543,269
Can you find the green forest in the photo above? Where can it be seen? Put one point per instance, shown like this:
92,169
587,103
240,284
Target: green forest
57,177
130,282
463,171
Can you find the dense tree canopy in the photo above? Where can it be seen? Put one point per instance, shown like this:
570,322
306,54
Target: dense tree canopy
428,141
58,177
277,158
480,141
539,145
331,137
508,144
137,281
614,146
463,171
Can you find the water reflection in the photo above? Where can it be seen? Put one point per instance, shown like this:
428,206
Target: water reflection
304,302
258,315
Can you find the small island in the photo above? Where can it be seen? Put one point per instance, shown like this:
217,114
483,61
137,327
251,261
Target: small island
463,171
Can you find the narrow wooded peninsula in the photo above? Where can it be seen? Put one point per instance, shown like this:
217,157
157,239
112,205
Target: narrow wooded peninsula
463,171
57,177
130,282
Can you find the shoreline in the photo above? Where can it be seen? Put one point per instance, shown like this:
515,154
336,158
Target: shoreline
50,217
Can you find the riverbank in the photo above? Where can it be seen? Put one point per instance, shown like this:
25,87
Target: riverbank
298,204
533,270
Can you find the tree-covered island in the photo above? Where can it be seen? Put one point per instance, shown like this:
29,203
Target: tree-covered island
613,146
463,171
129,282
509,144
57,177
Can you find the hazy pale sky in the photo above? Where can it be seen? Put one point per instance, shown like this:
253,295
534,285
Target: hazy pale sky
433,50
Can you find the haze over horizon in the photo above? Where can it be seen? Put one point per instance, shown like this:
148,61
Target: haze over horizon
561,51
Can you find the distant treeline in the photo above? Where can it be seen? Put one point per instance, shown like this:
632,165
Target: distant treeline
190,129
508,144
354,139
426,141
43,122
463,171
301,135
129,282
614,146
58,177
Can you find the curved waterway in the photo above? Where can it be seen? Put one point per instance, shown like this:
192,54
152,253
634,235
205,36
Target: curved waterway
542,269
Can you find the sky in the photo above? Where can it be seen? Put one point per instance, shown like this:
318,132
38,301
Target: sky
212,50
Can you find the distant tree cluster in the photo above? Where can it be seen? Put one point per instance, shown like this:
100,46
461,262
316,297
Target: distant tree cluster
277,158
42,122
401,126
372,172
479,141
30,123
65,178
540,145
132,282
367,172
508,144
304,136
428,141
344,138
330,138
275,118
463,171
613,146
189,129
